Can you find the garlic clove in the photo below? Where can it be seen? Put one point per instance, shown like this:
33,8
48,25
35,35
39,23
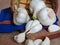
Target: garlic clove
48,17
29,42
46,41
38,42
28,25
35,29
31,24
53,28
20,38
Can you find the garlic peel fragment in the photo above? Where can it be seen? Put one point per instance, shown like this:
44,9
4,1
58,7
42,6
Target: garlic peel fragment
53,28
46,41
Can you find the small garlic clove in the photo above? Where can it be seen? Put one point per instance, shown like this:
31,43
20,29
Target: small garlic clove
53,28
46,41
31,24
35,22
35,29
48,17
38,42
28,25
29,42
20,38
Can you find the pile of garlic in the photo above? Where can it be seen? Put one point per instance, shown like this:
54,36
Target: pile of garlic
32,26
45,16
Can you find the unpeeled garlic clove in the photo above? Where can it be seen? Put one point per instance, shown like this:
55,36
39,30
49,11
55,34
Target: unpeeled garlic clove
21,17
29,42
28,25
34,8
33,26
46,16
38,42
53,28
46,41
35,29
31,23
20,38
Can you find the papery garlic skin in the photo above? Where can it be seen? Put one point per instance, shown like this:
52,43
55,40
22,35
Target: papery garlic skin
46,16
20,38
46,41
38,42
21,17
29,42
35,6
33,26
53,28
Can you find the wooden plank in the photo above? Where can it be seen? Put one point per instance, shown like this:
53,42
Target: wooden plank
42,34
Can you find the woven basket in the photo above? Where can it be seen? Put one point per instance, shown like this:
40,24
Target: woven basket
25,3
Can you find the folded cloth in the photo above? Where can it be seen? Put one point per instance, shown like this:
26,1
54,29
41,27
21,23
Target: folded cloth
6,22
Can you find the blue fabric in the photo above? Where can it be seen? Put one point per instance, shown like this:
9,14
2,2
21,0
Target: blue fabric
6,14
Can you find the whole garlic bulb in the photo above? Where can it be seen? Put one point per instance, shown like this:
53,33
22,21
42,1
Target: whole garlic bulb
46,41
46,16
21,17
20,38
29,42
53,28
33,26
35,6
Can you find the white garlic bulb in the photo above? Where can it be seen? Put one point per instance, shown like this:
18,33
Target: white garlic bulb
46,41
33,26
21,17
29,42
35,6
53,28
46,16
20,38
38,42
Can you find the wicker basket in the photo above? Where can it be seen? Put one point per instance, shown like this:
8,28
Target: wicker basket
25,3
